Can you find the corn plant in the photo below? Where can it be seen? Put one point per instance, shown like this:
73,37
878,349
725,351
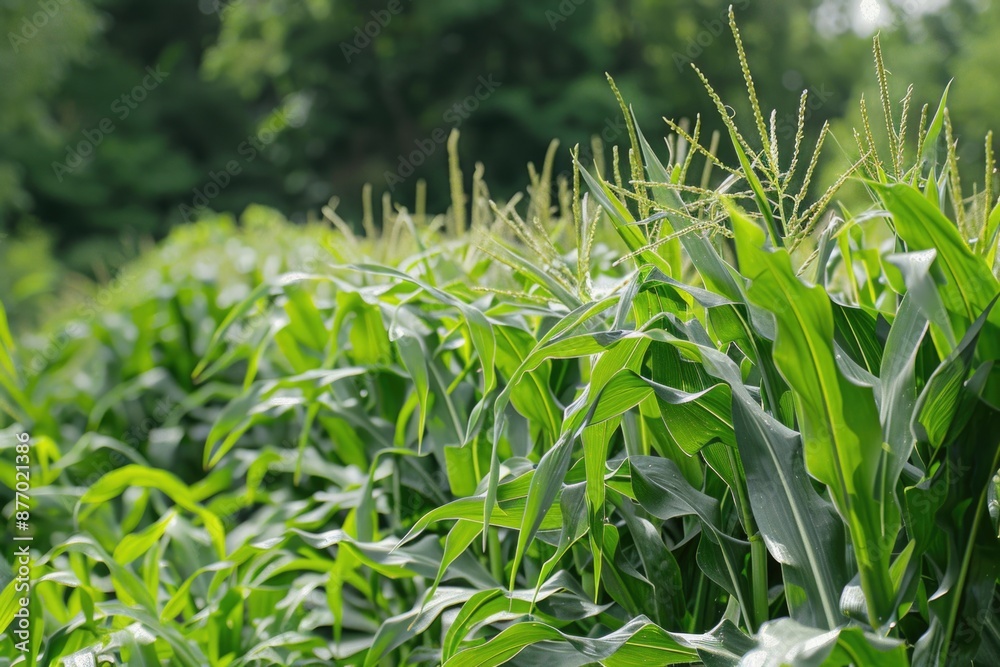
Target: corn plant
687,416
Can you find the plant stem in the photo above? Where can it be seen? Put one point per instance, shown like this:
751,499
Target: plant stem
758,580
758,550
496,558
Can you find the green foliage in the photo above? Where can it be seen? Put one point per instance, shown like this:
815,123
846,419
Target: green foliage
364,105
29,278
31,71
615,427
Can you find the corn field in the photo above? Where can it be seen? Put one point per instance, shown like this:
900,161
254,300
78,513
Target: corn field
669,408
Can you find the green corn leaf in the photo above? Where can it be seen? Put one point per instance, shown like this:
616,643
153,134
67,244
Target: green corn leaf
760,196
134,545
840,426
798,526
639,642
701,251
934,129
968,283
414,356
938,414
114,483
785,642
623,221
662,491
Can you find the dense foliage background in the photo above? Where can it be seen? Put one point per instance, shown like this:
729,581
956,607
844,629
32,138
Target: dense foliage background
722,391
355,104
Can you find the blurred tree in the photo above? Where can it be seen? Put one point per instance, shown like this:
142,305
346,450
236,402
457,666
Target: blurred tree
928,49
222,103
42,40
134,129
386,78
